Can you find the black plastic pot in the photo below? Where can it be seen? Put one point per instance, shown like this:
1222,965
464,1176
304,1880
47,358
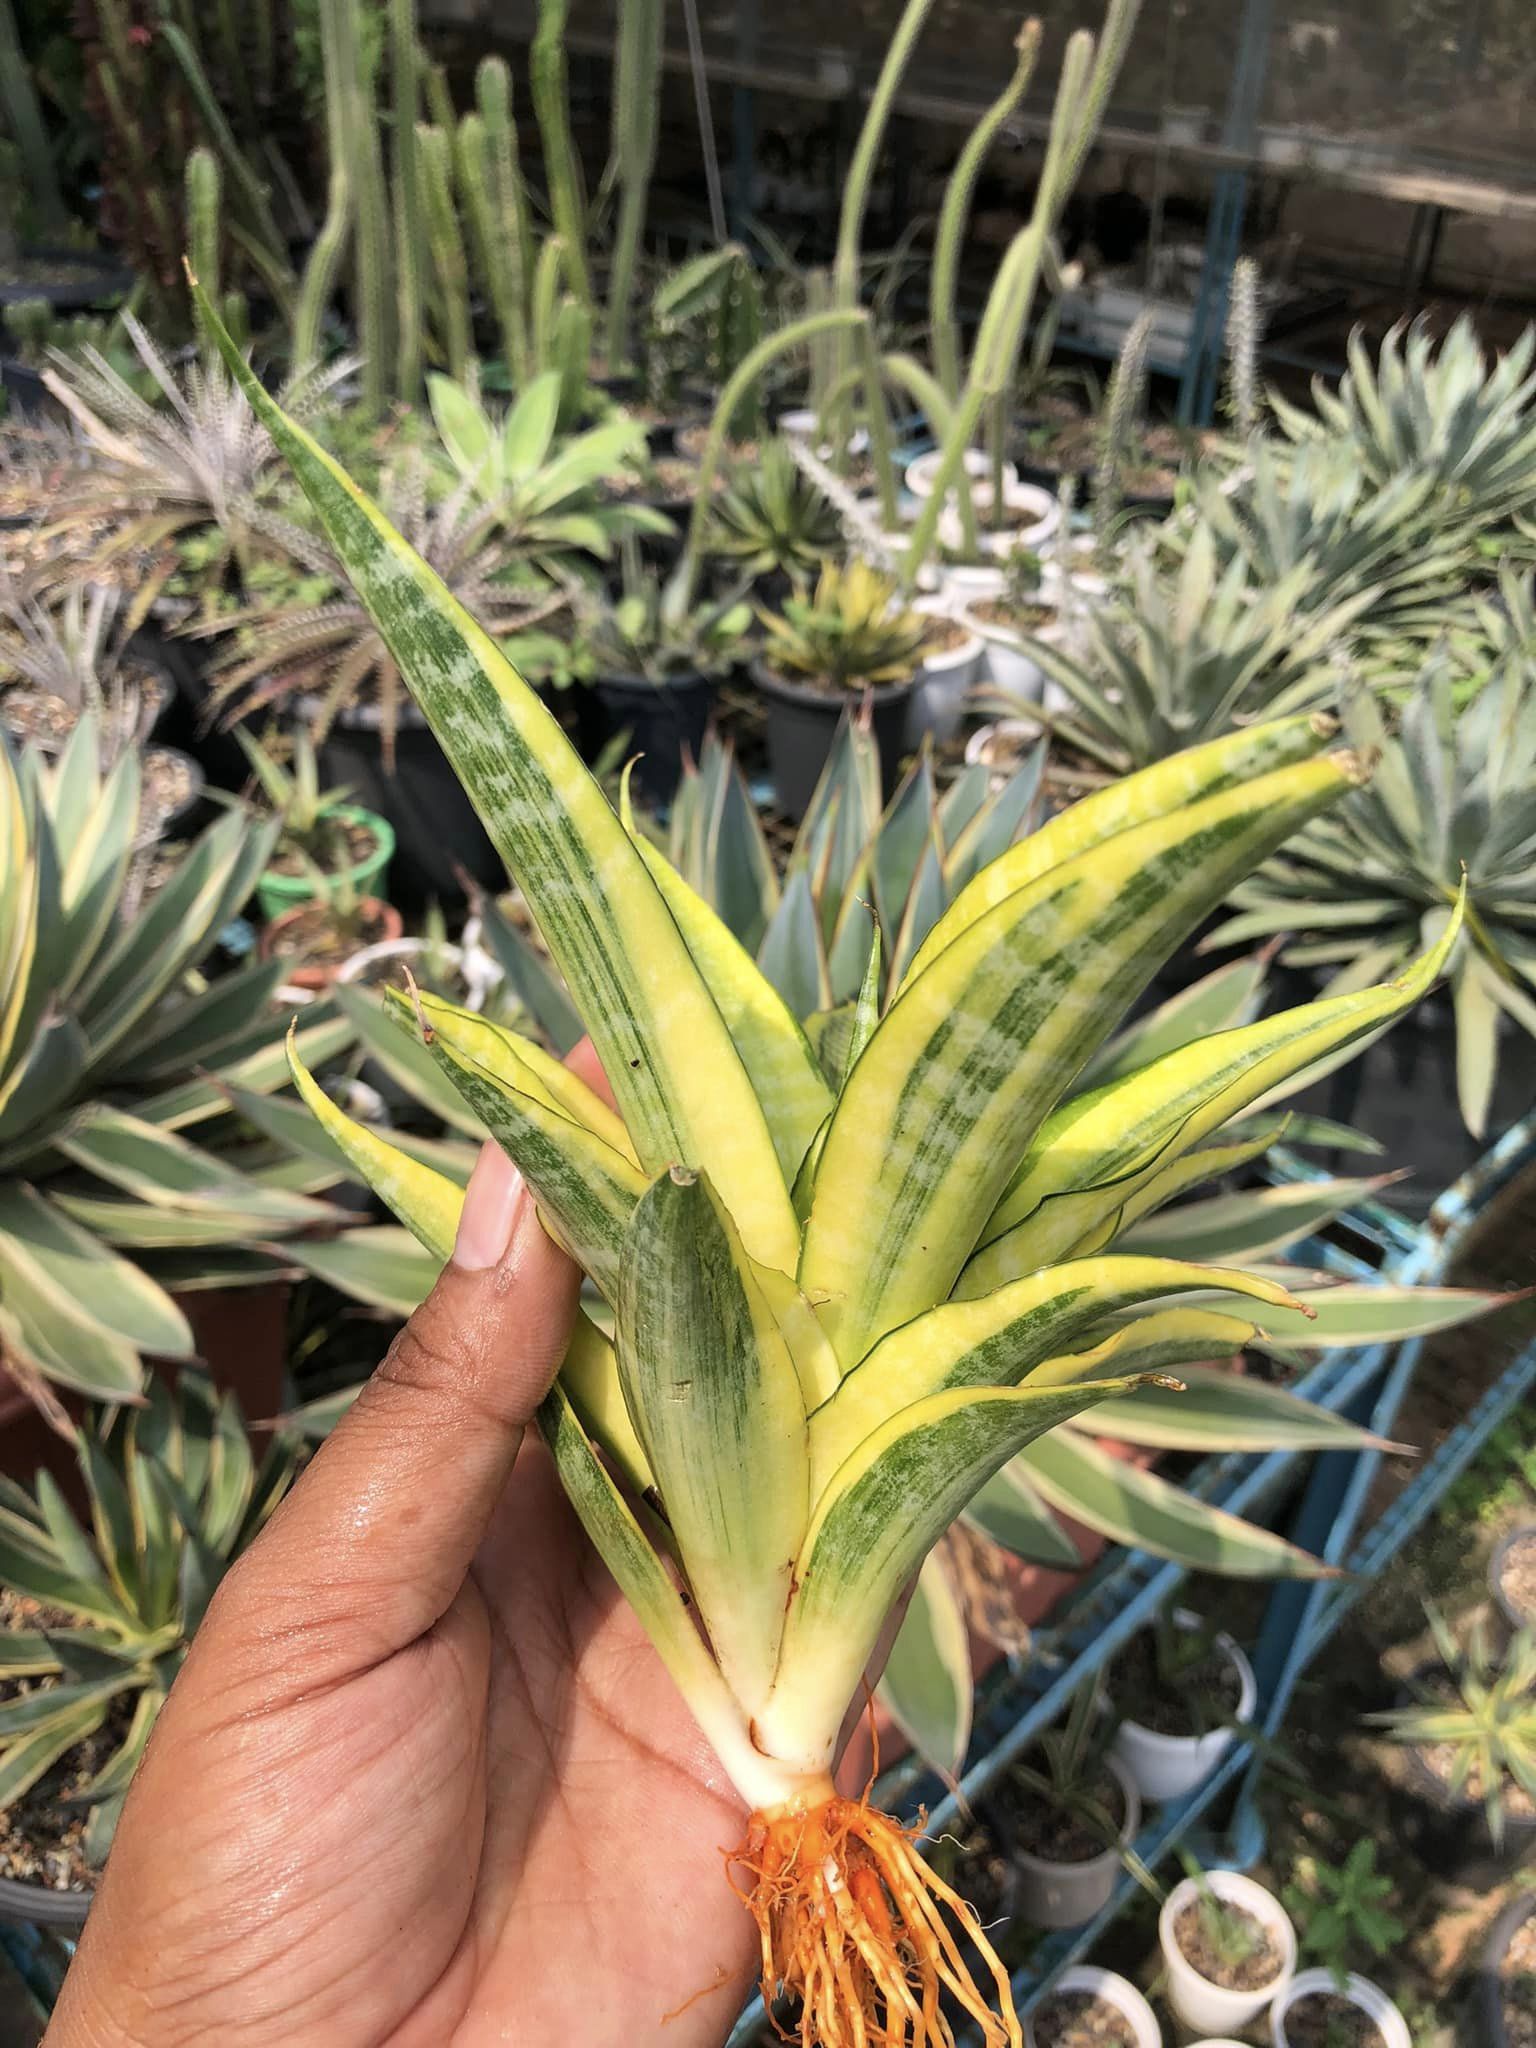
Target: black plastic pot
1450,1835
25,391
39,1905
1513,1618
1486,2015
802,724
661,720
438,833
94,278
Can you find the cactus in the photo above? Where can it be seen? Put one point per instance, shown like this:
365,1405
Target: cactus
1118,422
493,97
30,323
242,175
447,246
359,118
410,255
637,70
496,253
325,257
204,197
561,168
24,118
1245,325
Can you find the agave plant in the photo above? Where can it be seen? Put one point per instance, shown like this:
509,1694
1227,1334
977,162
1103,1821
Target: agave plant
771,520
326,658
1440,413
1482,1708
104,1203
195,465
1452,797
840,1307
174,1497
1170,661
542,494
849,633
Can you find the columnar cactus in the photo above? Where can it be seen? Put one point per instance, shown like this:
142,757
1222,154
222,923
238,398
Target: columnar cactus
446,244
410,251
637,71
561,168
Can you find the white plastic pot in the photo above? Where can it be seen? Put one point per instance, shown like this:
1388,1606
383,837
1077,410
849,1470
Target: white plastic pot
1212,2008
1012,669
1369,1998
1020,733
1042,516
1115,1991
947,677
1169,1766
921,473
968,582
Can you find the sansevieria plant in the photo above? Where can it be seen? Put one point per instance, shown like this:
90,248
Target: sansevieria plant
809,1375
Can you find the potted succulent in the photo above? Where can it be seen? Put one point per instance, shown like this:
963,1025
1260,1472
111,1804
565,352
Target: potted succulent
851,636
96,1622
773,524
1008,619
952,666
1182,1691
1091,2008
1228,1949
1506,1980
1318,2010
318,936
1468,1733
1512,1577
321,832
1069,1819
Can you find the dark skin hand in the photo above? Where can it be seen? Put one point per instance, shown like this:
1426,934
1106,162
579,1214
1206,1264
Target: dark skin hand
422,1779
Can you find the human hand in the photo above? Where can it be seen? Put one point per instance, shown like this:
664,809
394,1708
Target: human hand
422,1779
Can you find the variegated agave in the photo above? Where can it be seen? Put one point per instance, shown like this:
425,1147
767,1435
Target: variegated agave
1454,795
174,1496
105,1202
841,1305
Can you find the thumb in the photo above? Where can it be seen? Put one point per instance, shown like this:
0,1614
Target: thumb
374,1541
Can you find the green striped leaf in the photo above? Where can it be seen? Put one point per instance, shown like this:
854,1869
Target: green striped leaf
1153,793
1010,1512
590,1379
680,1085
871,1529
1226,1411
384,1267
926,1686
1252,1223
716,1401
195,1101
168,1172
1351,1312
80,1270
973,1054
998,1340
57,1335
1145,1512
24,1761
1218,1002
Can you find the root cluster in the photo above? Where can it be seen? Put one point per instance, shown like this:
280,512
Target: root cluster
870,1941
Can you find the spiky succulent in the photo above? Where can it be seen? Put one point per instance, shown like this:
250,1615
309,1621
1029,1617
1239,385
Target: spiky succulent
66,657
1481,1707
1172,659
174,1497
852,632
773,520
841,1305
105,1203
1443,413
1452,797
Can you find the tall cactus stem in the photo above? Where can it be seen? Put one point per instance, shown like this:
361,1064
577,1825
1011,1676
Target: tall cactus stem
551,108
637,70
410,252
447,246
320,272
203,203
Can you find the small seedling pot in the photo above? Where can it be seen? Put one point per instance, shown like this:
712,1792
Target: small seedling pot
803,722
1214,2008
1070,1894
947,678
1487,2015
1170,1766
1367,1997
317,975
1113,1990
277,892
1514,1618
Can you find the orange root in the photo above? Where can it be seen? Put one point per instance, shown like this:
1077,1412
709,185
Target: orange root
857,1928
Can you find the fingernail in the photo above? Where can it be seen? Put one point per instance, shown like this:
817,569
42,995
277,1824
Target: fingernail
491,1203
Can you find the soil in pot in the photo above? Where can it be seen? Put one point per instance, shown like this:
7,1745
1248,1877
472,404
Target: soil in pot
1517,1985
340,845
1080,2019
1326,2019
1260,1962
1059,1834
42,1838
1012,618
1517,1577
1204,1697
315,935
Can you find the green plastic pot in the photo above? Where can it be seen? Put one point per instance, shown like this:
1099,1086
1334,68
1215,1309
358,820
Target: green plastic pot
277,893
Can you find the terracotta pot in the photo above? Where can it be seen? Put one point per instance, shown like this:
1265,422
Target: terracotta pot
316,976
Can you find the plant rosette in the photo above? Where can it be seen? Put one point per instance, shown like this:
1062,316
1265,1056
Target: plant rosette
1512,1577
318,949
1168,1766
952,667
1067,1883
1290,2026
1073,1997
1200,2002
280,890
1450,1831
